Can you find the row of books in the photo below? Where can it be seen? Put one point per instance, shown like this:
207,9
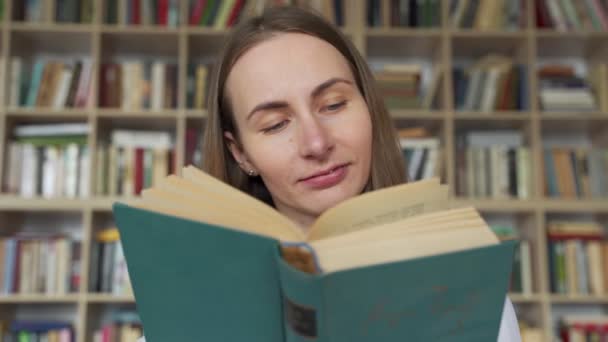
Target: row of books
521,273
422,153
39,263
561,89
47,163
65,11
50,83
399,84
134,160
197,85
494,83
142,12
122,326
136,85
564,15
404,13
583,328
578,258
493,164
488,15
35,331
576,173
109,272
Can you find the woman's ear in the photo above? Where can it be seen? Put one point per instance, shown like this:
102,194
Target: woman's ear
239,155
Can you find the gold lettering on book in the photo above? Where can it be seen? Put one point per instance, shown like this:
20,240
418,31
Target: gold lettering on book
391,216
379,314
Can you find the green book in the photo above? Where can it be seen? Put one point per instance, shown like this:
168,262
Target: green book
198,281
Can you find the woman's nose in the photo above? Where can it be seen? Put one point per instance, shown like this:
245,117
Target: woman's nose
315,138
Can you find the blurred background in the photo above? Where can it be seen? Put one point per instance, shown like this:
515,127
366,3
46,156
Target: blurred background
504,100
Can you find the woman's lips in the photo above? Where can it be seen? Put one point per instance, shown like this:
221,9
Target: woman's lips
327,179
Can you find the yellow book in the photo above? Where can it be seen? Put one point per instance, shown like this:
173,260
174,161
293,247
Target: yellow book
108,235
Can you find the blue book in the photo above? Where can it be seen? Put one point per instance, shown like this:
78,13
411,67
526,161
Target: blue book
405,269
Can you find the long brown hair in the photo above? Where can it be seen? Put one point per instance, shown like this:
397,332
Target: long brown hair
387,164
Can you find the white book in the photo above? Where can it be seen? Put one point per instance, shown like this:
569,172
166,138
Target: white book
49,169
475,80
60,174
431,163
524,176
160,167
415,162
147,139
71,171
32,130
508,138
526,267
419,142
13,180
51,267
557,15
158,86
61,94
489,92
15,81
127,87
29,177
582,269
596,268
84,173
84,84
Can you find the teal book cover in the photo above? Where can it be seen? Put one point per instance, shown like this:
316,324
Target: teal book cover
193,281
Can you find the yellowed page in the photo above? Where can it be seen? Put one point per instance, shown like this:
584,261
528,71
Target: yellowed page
418,224
404,248
184,210
381,207
224,205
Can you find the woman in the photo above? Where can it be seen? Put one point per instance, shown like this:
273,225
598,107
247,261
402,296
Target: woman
294,120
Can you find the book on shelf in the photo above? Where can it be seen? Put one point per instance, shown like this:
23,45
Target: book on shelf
422,151
48,160
123,326
74,11
493,83
143,12
569,15
575,172
108,272
133,160
578,257
31,11
39,263
135,85
493,164
561,89
197,85
29,331
521,275
530,333
582,328
404,13
371,262
488,15
49,83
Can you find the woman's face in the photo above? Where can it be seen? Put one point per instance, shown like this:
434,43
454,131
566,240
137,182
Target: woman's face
303,125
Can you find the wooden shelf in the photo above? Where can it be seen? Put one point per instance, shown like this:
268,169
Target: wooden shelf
493,116
108,298
139,29
525,298
51,27
38,299
578,299
463,33
403,32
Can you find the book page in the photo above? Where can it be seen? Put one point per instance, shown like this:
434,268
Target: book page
380,207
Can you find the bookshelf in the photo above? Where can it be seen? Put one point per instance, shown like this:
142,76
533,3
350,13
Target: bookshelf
185,44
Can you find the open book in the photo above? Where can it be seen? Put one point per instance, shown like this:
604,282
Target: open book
208,262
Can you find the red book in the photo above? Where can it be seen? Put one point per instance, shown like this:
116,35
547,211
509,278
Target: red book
135,12
163,12
139,169
234,14
197,12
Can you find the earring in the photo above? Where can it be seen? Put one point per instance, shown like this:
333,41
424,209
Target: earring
251,172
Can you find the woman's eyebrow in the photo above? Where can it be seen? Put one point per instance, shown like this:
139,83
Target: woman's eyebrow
282,104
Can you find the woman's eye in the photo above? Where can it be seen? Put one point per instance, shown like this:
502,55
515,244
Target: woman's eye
335,106
276,127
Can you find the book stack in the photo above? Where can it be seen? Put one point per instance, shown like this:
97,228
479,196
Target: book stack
136,85
399,84
577,258
488,15
521,275
49,160
567,15
143,12
51,83
39,263
404,13
134,159
108,266
123,326
73,11
422,153
598,79
33,331
562,90
494,83
197,85
493,164
576,172
582,328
